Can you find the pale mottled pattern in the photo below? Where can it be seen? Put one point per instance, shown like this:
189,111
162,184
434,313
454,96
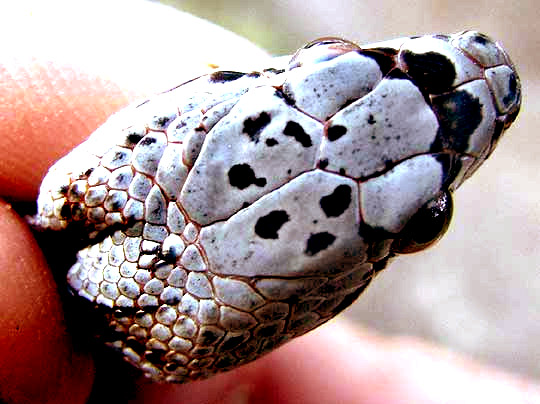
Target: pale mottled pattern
188,227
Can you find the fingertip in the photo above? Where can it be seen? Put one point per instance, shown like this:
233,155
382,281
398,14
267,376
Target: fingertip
63,75
38,360
50,108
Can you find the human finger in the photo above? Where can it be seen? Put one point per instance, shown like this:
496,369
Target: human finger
38,363
63,75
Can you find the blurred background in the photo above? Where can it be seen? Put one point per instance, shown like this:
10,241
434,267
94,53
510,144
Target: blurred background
478,290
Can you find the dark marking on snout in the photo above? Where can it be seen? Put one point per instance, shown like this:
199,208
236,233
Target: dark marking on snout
270,142
318,242
335,204
133,138
242,176
459,114
254,126
147,141
267,227
335,132
433,71
224,76
295,130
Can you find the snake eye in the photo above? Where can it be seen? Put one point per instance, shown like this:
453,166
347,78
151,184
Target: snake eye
427,226
321,50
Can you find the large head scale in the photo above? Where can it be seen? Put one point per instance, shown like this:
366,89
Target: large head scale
410,119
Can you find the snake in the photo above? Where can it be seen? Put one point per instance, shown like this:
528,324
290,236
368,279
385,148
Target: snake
239,210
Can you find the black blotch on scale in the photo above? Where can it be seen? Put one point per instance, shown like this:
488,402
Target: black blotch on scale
119,156
271,142
254,126
434,72
162,122
133,138
242,176
459,114
335,204
288,98
295,130
65,212
512,91
224,76
273,70
147,141
318,242
267,227
335,132
441,36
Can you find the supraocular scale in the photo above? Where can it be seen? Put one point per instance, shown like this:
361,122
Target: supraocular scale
239,210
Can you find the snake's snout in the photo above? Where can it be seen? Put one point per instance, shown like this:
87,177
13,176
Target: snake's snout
499,71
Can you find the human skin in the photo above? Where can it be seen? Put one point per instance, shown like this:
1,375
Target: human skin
50,100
